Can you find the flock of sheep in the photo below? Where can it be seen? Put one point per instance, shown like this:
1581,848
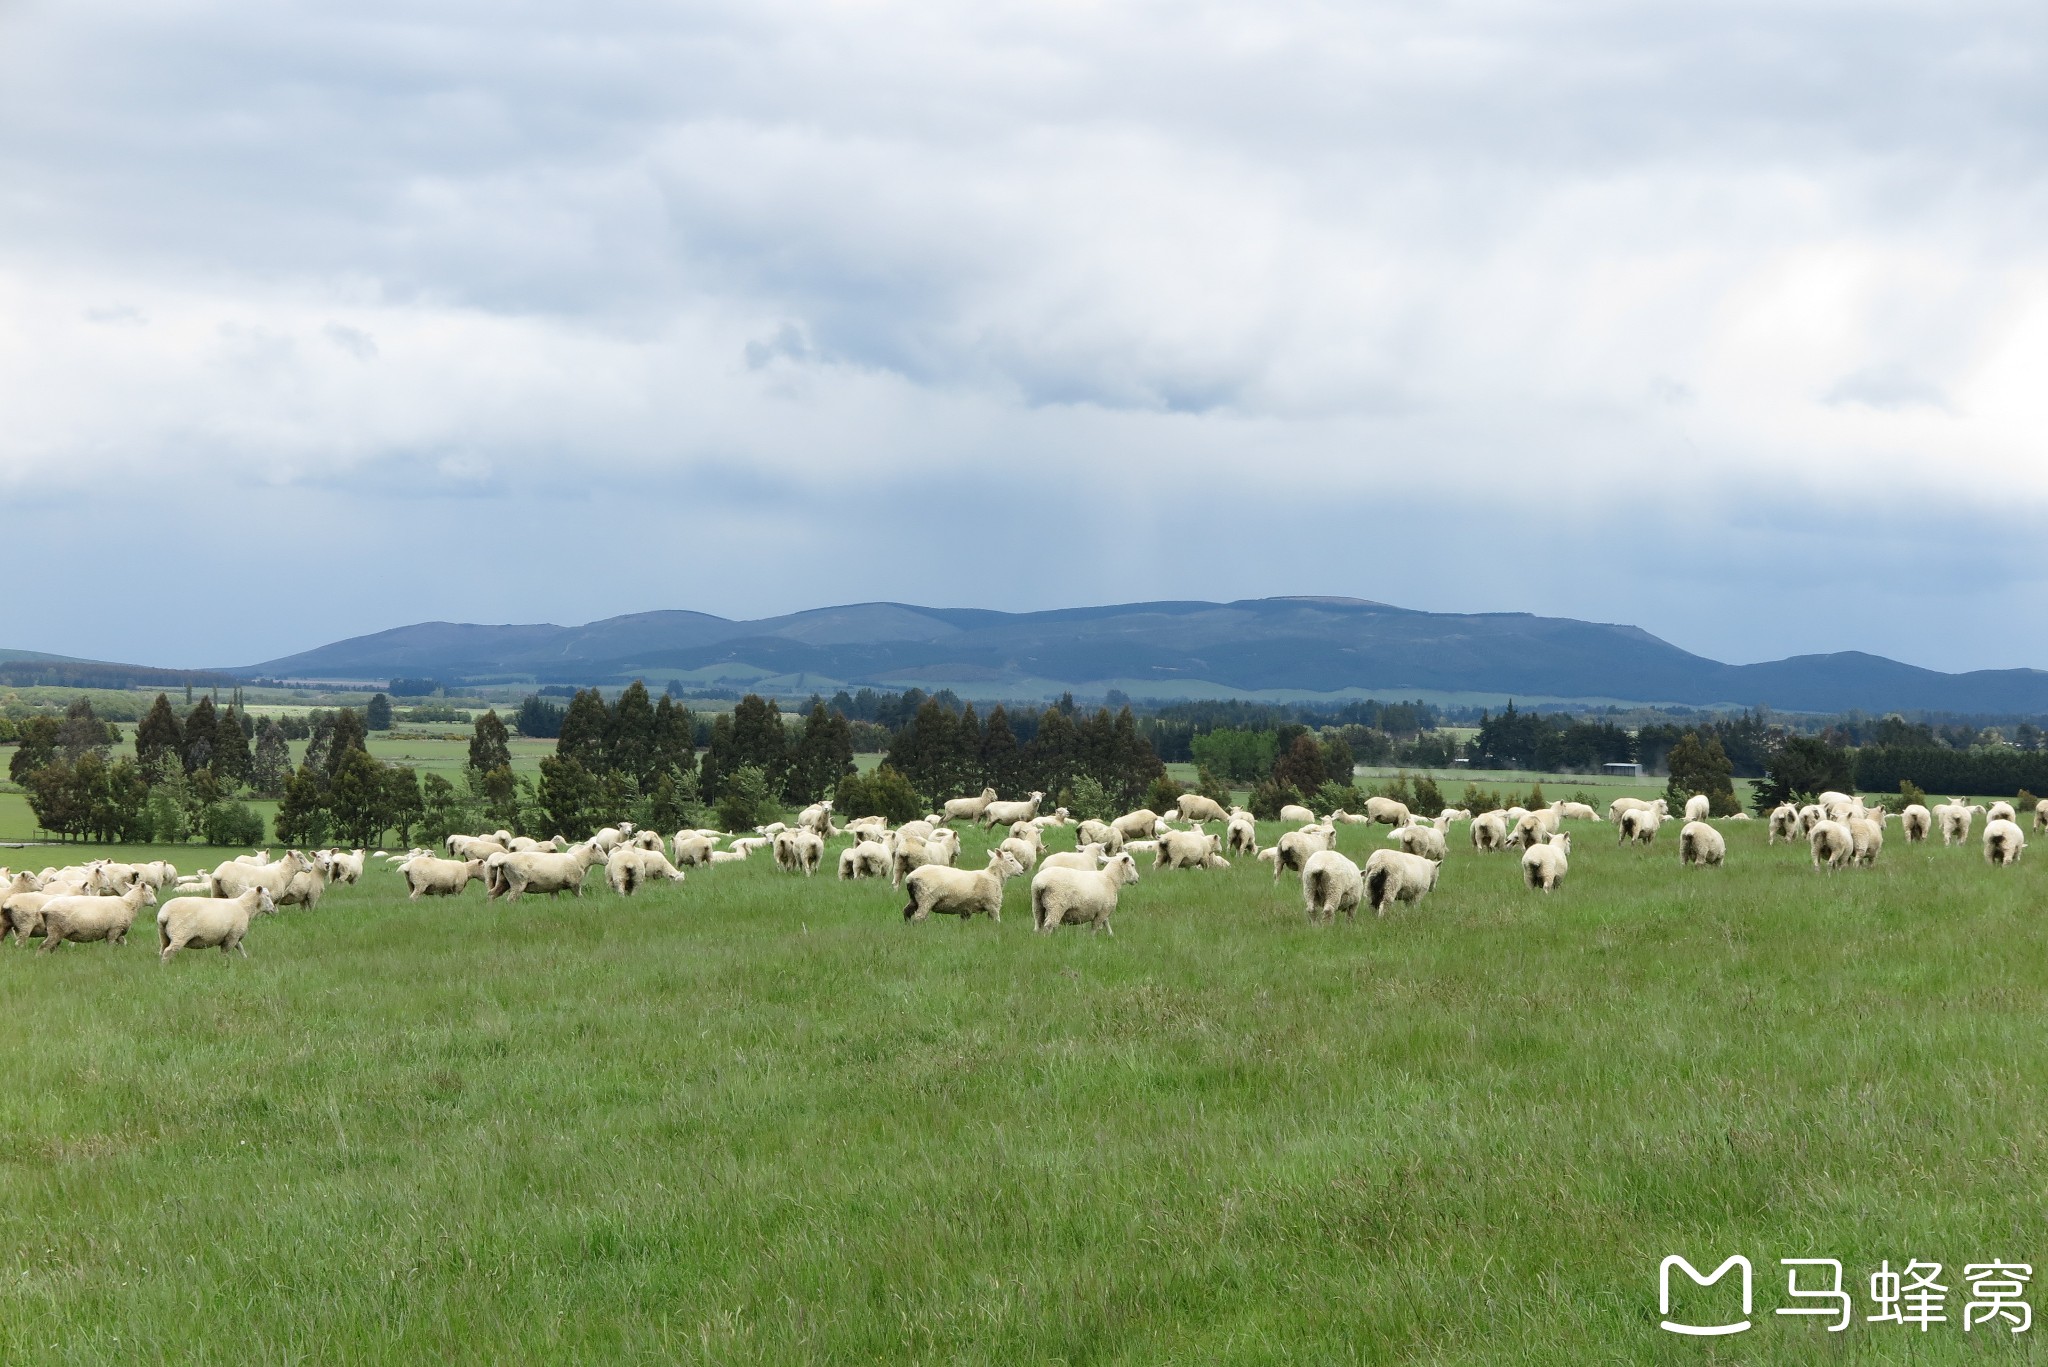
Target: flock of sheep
101,899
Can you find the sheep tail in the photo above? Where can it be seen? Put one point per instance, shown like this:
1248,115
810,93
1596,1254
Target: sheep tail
1376,887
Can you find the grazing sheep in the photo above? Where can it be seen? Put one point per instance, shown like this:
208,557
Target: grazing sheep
1490,831
232,879
475,846
21,913
641,840
512,876
960,892
1640,824
1395,876
431,877
1291,851
692,850
1545,865
1387,812
1003,813
1916,821
1785,822
1701,846
1636,804
203,922
1025,852
2041,815
2004,842
969,808
1331,883
1426,841
1099,833
1445,817
1087,857
629,868
1295,813
1867,839
2002,811
866,859
865,828
1195,807
1534,828
1142,824
1698,807
82,919
346,866
1833,845
1575,811
799,851
608,839
1241,836
1072,897
1187,850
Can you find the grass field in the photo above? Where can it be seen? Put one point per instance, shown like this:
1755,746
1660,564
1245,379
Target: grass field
755,1118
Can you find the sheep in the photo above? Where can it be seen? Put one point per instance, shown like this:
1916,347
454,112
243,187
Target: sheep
203,922
1003,813
1395,876
1832,844
475,846
1291,851
431,877
1445,817
969,808
727,856
1866,840
799,851
2004,842
347,866
1298,814
1575,811
1195,807
1099,833
1426,841
817,819
1086,857
1636,804
259,858
82,919
1956,818
609,838
1877,814
1698,807
863,827
2041,815
1916,821
630,867
1340,817
1785,822
920,830
2001,811
1489,832
1544,865
1241,836
157,873
1640,824
1811,815
1331,883
960,892
526,844
865,859
642,840
1700,846
1025,852
1062,896
1387,812
692,850
915,854
1141,824
306,888
232,879
1534,828
747,844
512,876
1187,850
21,913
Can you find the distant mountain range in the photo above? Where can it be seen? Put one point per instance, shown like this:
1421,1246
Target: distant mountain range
1269,646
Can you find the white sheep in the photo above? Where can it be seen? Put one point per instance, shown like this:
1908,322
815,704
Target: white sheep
969,808
1142,824
1916,821
1445,817
1867,840
817,819
1956,818
864,859
1636,804
1641,825
1331,883
692,849
1396,876
1535,827
2041,815
862,828
1698,807
1785,823
1701,846
346,866
1832,843
960,892
1063,896
1544,865
307,887
1291,851
1099,833
1490,831
1188,850
1195,807
82,919
2002,811
512,876
942,848
629,868
1386,811
1241,835
1087,857
475,846
232,879
1426,841
203,922
727,856
1575,811
427,876
1296,813
799,851
1003,813
2004,842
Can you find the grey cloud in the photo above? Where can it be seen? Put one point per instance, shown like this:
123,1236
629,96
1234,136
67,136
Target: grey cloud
1889,387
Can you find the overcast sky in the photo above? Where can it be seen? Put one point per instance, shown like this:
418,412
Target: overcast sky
1727,320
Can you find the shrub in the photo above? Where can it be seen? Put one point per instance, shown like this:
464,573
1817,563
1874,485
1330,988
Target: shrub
884,793
231,823
1429,799
1164,794
744,802
1333,797
165,816
1213,786
1087,800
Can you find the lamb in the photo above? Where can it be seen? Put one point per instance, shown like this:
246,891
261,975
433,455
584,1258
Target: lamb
431,877
1195,807
1426,841
629,868
1099,833
82,919
1698,807
1915,821
1188,850
1087,857
1298,814
1387,812
1785,822
1395,876
1331,883
2004,842
969,808
1141,824
232,879
1025,852
1003,813
1640,824
1489,831
960,892
1545,865
203,922
866,859
1062,896
1833,845
512,876
1291,851
1241,836
1700,846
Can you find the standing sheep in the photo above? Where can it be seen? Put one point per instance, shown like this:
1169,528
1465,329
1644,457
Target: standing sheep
512,876
960,892
1698,807
629,868
1143,824
1386,812
866,859
1426,841
1867,837
1395,876
1291,851
968,808
203,922
1099,833
1061,896
83,919
1785,823
2002,811
1003,813
1296,813
1489,832
1916,821
1641,825
1832,844
427,876
1330,883
2004,843
1195,807
1187,850
1701,846
1241,836
2040,816
1544,866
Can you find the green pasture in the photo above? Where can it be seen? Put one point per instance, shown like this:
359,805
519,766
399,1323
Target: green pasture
757,1118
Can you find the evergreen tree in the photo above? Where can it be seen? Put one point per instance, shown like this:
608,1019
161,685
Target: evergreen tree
231,759
403,805
302,814
1000,762
377,716
675,751
348,736
584,731
1695,768
1301,767
271,765
1136,763
501,797
822,757
199,728
36,748
489,747
160,741
320,738
629,737
539,719
1054,754
569,795
82,733
356,797
758,738
718,758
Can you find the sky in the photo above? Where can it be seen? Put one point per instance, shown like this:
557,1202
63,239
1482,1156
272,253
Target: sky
1729,321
